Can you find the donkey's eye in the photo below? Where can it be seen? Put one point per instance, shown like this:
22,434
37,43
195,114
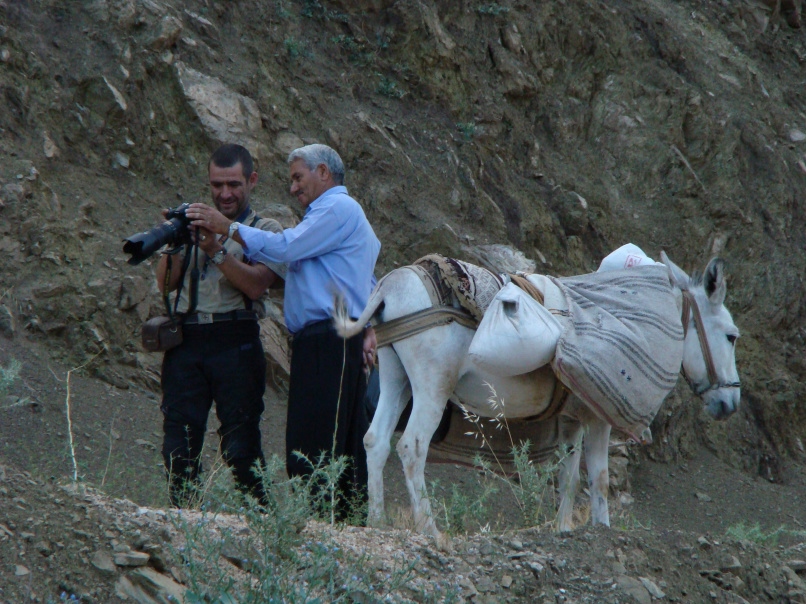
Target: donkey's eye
732,338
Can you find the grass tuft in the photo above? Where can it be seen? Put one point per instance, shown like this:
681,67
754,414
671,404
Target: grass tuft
756,534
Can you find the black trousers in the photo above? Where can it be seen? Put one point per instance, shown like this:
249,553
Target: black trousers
221,362
326,404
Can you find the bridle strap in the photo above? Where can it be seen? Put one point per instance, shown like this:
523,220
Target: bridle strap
700,327
690,306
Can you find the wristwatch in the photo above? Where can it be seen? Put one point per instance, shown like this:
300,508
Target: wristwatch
219,256
233,228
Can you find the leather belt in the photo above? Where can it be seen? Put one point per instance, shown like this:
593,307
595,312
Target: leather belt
205,318
315,329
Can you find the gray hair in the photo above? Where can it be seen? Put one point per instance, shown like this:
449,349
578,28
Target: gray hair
313,155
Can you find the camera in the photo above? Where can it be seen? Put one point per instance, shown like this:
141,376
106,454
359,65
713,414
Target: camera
174,231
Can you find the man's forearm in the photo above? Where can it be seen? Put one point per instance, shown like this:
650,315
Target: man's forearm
251,279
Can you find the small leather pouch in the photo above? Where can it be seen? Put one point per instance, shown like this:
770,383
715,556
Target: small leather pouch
161,333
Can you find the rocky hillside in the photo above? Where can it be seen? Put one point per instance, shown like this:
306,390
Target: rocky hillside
542,133
560,129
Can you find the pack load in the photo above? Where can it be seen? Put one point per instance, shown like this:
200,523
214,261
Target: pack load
628,255
516,335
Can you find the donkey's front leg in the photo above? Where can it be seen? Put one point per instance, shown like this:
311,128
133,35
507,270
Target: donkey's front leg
597,441
568,477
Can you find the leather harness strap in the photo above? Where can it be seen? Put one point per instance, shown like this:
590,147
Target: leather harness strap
690,305
558,399
409,325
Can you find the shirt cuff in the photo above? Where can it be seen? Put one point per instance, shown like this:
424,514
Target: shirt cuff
249,236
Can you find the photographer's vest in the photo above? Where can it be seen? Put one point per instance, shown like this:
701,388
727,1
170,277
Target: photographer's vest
216,293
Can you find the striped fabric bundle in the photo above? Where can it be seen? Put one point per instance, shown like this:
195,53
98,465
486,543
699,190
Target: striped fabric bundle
622,343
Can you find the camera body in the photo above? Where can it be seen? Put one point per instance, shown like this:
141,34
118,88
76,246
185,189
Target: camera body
179,212
174,231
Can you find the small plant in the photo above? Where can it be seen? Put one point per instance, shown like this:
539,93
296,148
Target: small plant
468,129
314,9
491,9
281,10
754,533
9,375
388,87
463,513
535,484
294,47
347,43
356,50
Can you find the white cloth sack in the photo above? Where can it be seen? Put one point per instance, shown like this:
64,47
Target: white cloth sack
516,335
627,256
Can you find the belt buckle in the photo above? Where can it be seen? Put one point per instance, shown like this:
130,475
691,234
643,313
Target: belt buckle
205,317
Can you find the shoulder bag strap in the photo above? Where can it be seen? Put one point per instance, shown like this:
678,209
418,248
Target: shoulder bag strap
247,301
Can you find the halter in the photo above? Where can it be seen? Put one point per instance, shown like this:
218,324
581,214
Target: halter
690,306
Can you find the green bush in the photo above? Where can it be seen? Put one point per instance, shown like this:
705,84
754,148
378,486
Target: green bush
283,554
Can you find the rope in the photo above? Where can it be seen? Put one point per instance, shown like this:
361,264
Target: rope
528,287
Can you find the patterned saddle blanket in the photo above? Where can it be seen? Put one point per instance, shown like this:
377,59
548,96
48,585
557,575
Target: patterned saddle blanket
449,280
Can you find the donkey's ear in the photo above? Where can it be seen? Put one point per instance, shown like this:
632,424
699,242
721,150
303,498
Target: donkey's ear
714,281
677,276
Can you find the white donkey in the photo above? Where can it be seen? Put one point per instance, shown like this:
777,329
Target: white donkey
433,365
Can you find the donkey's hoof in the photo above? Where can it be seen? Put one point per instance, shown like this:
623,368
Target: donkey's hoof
444,543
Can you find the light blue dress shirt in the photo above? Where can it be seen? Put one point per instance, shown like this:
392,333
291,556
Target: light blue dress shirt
333,250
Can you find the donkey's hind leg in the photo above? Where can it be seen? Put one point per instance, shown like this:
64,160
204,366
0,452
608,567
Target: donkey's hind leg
426,414
395,392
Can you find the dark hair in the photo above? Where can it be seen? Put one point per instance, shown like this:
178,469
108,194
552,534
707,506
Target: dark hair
226,156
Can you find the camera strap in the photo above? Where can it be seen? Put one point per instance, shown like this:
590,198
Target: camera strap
194,277
172,314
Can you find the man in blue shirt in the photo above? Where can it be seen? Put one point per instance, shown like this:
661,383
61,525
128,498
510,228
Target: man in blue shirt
331,252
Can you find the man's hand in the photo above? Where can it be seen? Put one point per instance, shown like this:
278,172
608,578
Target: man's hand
208,241
209,219
370,346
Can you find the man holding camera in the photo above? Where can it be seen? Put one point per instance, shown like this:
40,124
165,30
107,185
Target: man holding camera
220,358
332,251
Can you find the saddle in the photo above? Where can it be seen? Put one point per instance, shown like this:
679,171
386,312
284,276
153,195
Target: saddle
449,280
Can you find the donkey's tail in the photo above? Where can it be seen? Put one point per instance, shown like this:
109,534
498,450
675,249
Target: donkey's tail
344,325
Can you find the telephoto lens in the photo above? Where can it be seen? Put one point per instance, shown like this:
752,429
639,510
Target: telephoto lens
173,231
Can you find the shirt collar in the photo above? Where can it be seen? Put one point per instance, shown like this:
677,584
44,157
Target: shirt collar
244,215
331,191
